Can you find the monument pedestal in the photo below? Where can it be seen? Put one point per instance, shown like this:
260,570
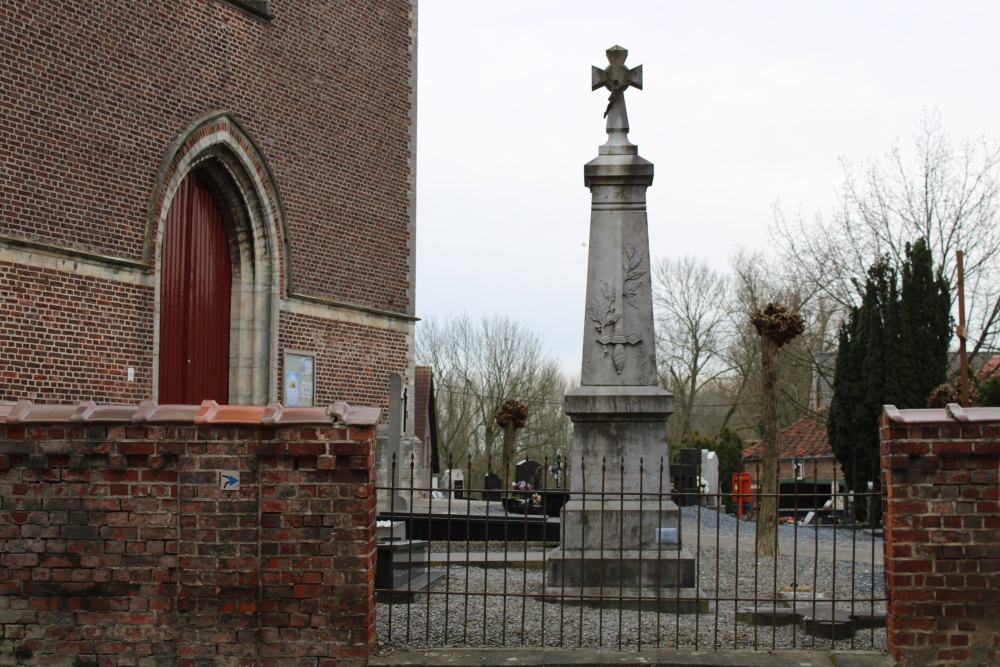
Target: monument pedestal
620,538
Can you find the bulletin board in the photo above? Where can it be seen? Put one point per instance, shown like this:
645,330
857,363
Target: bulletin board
298,386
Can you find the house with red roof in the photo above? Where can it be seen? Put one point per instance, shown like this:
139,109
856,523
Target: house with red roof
808,472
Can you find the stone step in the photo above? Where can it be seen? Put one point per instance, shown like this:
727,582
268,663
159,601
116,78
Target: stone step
826,621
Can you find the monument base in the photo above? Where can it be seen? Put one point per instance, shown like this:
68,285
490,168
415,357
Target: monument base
657,579
623,551
613,524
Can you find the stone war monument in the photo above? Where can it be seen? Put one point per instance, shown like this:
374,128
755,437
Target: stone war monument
620,536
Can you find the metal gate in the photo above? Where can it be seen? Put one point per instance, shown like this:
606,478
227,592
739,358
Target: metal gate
471,567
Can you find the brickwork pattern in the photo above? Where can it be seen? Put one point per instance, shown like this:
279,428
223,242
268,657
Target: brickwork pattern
353,361
118,546
941,475
94,93
65,336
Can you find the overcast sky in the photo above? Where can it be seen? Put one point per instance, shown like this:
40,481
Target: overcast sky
744,104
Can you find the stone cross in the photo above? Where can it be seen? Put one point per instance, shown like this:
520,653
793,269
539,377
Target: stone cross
616,77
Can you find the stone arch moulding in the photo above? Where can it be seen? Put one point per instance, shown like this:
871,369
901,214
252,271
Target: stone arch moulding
222,153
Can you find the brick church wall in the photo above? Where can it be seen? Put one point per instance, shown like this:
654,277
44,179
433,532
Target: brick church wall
118,546
94,97
357,358
65,335
941,476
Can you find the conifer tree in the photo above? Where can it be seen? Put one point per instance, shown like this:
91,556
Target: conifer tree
862,381
925,320
893,349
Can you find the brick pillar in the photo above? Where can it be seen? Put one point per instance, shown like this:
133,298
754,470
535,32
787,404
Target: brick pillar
941,475
318,546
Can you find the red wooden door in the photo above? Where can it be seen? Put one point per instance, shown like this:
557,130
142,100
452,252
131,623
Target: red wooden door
195,294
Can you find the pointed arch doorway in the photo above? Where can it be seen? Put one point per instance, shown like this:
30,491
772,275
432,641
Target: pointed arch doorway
195,299
227,173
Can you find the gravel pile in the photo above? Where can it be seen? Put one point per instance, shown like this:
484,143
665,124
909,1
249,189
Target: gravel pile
476,607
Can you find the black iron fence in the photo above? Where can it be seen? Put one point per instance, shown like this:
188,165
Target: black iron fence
622,567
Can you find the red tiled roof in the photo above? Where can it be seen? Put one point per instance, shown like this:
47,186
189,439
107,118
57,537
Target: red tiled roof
804,439
990,368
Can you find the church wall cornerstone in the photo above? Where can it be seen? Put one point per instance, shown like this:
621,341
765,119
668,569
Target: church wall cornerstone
186,535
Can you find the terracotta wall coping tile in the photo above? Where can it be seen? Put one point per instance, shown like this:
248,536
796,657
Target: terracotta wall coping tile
26,412
276,413
90,411
152,412
950,414
355,416
209,412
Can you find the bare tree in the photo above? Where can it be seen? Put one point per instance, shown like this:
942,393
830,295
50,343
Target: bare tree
692,304
949,195
479,364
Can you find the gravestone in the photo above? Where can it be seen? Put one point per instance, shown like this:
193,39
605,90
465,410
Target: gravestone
527,472
619,412
454,482
710,475
684,478
491,487
403,473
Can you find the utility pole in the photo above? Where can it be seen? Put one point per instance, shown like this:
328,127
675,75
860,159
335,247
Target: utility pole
962,356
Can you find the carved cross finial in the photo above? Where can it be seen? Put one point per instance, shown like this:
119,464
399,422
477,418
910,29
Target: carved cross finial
616,77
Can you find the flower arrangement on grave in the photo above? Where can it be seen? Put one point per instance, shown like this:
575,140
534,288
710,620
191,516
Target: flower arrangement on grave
521,486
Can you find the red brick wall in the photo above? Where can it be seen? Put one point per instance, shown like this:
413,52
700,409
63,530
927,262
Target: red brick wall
95,92
118,545
941,476
64,336
353,361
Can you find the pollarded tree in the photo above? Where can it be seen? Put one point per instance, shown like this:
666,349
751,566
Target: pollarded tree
776,326
757,282
511,416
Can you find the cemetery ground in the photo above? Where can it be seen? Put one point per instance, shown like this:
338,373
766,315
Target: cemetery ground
489,596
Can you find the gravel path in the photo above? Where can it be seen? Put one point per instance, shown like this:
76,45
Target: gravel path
502,607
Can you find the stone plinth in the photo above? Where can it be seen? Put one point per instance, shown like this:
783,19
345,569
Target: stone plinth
620,530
